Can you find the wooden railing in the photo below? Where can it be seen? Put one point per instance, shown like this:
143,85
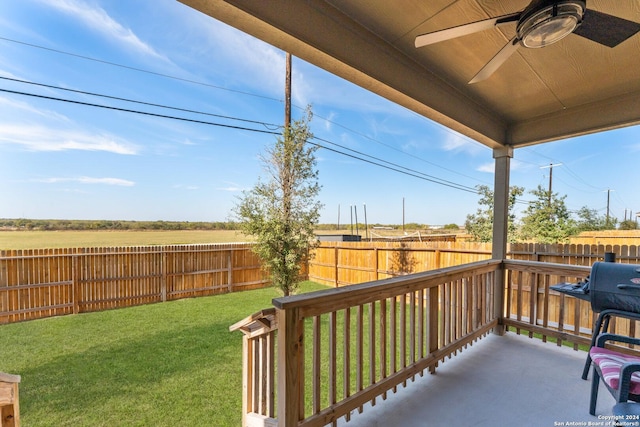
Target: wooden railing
531,304
341,348
258,367
53,282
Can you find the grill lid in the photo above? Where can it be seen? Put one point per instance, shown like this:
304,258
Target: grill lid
615,286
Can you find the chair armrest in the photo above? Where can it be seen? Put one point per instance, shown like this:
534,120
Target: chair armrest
603,338
626,371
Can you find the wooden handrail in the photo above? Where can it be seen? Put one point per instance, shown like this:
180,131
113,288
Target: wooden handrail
414,322
9,400
425,316
316,303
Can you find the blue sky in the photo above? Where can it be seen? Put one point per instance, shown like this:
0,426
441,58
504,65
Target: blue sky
68,160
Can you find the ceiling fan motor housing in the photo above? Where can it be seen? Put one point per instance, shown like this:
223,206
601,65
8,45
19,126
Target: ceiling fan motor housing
545,22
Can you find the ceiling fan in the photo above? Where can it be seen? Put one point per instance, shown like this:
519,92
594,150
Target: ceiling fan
541,23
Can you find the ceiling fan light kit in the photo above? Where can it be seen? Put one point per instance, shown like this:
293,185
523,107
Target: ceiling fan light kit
540,24
553,22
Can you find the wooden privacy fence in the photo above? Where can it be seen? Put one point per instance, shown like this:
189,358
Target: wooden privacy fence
51,282
346,263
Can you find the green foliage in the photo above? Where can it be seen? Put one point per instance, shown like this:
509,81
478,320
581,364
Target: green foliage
451,226
80,225
628,225
403,261
589,220
480,224
414,226
547,219
282,212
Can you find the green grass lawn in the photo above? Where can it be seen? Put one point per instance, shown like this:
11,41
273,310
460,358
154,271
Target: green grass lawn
168,364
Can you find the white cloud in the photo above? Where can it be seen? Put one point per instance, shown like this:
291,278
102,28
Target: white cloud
185,187
25,107
89,180
486,167
41,138
455,142
232,187
99,20
489,167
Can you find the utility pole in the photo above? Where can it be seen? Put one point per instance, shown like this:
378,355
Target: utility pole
403,214
366,225
551,165
351,209
608,198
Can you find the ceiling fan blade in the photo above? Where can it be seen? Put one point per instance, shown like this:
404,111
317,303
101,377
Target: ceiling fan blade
495,63
606,29
463,30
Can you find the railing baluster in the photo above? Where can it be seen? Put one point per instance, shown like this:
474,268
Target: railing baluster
333,356
403,334
347,357
421,329
393,333
372,347
412,331
317,362
383,342
359,351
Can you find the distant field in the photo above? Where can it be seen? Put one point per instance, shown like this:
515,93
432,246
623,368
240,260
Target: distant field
72,239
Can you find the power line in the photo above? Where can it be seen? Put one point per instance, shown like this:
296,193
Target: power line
415,175
141,70
410,171
388,165
267,125
126,110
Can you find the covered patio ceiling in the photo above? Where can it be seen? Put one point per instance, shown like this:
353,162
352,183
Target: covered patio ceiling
573,87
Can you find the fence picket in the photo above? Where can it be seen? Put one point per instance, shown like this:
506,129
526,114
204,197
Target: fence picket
51,282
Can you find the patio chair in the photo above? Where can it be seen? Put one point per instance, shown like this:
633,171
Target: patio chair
620,371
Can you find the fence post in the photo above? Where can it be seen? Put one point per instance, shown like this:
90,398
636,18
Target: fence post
230,270
163,274
335,281
290,367
76,278
74,283
375,254
4,287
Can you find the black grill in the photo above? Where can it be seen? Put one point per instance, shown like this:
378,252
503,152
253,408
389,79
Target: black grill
613,290
615,287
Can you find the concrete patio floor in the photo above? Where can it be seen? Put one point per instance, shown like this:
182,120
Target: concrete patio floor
499,381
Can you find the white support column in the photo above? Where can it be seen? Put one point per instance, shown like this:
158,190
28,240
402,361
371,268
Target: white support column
502,158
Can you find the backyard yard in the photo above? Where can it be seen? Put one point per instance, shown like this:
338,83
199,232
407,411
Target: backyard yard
174,363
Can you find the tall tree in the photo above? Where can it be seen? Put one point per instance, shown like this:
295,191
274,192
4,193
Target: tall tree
480,224
283,211
589,220
547,219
